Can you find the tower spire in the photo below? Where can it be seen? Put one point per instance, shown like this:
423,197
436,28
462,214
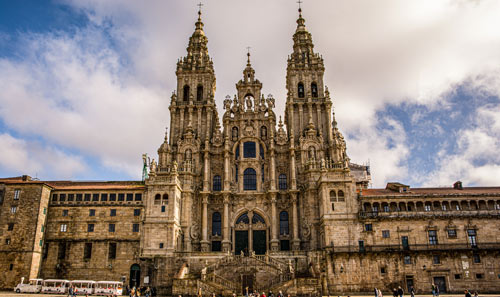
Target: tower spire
248,57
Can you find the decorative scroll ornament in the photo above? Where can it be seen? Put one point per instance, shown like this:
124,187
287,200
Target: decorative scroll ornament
195,232
306,230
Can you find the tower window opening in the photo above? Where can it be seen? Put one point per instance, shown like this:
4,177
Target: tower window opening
249,150
185,94
284,223
199,93
333,196
217,183
157,199
314,90
282,182
301,90
249,180
216,224
341,197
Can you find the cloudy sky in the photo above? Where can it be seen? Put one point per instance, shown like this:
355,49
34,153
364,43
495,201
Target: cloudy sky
85,84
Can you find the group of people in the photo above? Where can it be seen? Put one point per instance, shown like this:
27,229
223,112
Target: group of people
141,291
250,294
395,292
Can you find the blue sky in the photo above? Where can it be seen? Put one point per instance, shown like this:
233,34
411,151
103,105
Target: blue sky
415,85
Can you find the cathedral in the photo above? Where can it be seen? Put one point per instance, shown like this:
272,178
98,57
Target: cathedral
252,201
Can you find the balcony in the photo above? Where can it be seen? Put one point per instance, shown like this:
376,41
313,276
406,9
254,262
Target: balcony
415,247
427,214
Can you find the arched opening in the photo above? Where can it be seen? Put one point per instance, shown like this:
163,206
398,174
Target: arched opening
164,201
246,233
341,197
188,155
312,153
234,134
282,182
135,276
217,183
157,199
199,93
263,132
300,90
249,180
185,93
314,90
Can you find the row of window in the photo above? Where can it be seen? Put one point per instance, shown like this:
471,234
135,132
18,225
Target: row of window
91,228
87,251
436,260
256,218
186,93
428,206
249,180
103,197
301,90
235,135
112,212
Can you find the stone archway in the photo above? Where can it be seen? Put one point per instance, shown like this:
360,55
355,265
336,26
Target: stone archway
250,234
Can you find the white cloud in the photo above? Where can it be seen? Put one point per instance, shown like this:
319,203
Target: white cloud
84,97
21,157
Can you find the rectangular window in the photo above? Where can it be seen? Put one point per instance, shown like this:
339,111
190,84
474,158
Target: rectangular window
45,251
121,197
91,212
45,210
86,197
382,270
54,197
476,258
249,150
90,227
65,213
79,197
479,275
433,237
64,227
452,233
7,241
11,267
61,251
13,209
458,276
111,228
95,197
137,212
436,259
385,234
427,208
62,197
112,250
161,245
112,212
104,197
16,194
42,229
407,259
10,227
368,227
443,207
386,208
112,197
87,252
138,196
130,197
40,243
163,208
71,197
135,227
471,233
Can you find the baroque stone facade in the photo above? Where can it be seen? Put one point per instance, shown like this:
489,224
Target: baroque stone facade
259,202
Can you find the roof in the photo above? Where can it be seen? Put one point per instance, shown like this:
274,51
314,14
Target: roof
432,191
78,185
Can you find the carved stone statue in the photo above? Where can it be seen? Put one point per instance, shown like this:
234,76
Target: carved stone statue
248,101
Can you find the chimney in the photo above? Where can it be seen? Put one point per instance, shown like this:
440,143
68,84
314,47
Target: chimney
458,185
26,178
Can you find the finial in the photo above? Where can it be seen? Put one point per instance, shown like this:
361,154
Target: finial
300,8
248,55
199,10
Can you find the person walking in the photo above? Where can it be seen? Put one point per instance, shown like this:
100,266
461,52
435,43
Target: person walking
394,292
379,293
70,291
400,291
433,290
376,292
467,293
412,291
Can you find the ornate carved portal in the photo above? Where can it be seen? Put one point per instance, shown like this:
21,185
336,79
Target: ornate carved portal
250,234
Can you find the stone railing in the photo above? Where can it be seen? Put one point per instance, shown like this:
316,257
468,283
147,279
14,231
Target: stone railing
219,280
431,213
415,247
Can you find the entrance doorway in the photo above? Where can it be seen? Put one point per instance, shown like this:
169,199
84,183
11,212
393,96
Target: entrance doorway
259,242
247,284
409,282
241,243
440,282
135,276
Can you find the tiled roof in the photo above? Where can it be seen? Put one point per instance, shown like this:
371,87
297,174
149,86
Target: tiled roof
80,185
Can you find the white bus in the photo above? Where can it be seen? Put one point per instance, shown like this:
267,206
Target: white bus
55,286
83,287
34,286
108,288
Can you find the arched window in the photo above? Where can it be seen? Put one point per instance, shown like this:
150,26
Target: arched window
185,94
188,155
282,182
249,179
237,153
333,196
157,199
236,173
216,224
164,201
234,134
263,132
284,223
314,90
217,183
243,219
256,218
249,149
262,172
341,196
301,90
261,150
199,93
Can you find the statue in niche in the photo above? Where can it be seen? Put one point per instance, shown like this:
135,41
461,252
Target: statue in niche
248,101
312,153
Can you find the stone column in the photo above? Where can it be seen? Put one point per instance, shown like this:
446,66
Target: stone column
250,233
226,243
292,168
206,168
204,224
295,217
274,224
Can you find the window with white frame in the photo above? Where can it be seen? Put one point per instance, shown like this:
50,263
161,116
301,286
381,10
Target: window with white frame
64,227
